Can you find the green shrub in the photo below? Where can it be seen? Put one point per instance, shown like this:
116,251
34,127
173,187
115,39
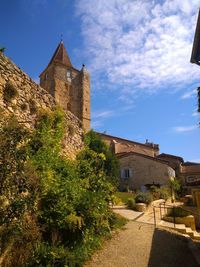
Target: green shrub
10,92
110,163
131,203
164,193
116,221
159,192
178,212
154,190
46,255
143,198
124,196
69,199
116,200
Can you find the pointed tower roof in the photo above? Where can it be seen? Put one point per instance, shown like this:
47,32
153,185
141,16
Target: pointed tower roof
61,56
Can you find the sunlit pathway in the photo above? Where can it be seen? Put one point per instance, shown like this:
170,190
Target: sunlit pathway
140,245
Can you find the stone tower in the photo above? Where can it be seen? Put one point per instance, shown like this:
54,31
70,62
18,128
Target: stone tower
69,86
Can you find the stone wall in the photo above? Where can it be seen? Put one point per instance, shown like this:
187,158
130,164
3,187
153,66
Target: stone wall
143,170
29,99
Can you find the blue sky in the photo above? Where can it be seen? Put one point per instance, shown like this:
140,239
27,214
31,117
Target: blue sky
137,52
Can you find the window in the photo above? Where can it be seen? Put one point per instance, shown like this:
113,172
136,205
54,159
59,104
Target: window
46,76
190,179
69,75
126,173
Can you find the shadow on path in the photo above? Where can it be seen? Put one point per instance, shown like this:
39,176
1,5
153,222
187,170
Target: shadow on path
170,250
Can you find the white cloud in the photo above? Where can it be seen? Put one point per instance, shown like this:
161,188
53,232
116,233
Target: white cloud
141,44
195,114
189,94
98,117
102,114
183,129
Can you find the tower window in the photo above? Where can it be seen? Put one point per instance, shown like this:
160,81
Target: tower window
46,76
69,74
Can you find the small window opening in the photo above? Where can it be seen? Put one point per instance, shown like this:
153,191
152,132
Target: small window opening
69,74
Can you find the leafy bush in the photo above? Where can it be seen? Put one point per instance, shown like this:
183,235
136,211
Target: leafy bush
124,196
116,220
159,192
57,208
10,92
131,203
178,212
164,193
154,190
143,198
110,163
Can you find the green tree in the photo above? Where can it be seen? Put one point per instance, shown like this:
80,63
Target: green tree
110,164
175,187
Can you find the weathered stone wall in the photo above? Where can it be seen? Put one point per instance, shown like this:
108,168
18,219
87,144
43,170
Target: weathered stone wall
144,170
31,98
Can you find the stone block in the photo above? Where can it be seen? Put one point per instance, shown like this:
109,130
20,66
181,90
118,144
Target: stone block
140,207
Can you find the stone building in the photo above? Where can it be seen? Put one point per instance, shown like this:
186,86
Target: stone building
173,161
190,174
69,86
121,145
140,166
139,171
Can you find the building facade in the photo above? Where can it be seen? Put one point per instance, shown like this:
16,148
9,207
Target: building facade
140,171
190,174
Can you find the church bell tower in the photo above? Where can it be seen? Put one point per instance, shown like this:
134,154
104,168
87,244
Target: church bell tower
69,86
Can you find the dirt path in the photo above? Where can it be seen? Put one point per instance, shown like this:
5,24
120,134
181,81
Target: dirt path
140,245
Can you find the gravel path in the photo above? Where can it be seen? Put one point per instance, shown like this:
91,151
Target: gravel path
140,245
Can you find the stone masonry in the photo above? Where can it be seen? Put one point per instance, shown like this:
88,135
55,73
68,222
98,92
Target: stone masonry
144,170
31,98
69,86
